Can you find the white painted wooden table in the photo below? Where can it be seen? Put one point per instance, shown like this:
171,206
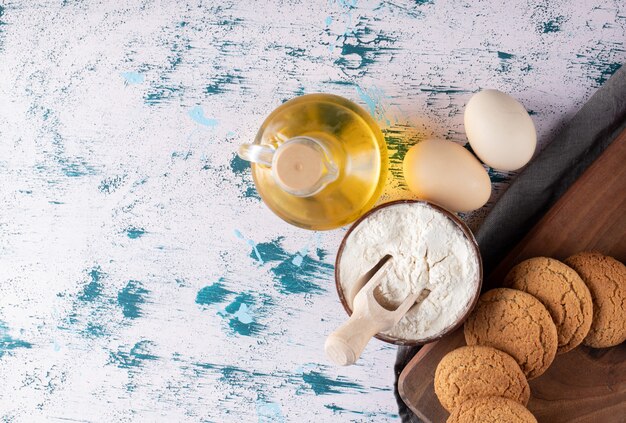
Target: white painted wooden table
141,279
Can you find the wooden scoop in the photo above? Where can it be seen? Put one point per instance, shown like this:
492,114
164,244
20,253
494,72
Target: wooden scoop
344,345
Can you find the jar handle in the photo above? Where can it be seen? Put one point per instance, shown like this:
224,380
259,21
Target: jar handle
255,153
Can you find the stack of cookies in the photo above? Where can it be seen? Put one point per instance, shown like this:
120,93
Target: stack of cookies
547,308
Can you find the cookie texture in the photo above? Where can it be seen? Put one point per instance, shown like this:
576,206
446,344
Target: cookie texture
478,371
517,323
561,291
606,279
491,410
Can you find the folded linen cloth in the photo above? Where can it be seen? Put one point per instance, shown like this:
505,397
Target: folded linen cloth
541,184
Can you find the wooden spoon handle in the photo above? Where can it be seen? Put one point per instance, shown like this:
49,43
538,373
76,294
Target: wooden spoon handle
345,345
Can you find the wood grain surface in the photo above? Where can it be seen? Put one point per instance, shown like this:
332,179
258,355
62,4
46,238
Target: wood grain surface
583,385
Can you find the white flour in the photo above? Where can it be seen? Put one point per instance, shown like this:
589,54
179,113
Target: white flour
430,252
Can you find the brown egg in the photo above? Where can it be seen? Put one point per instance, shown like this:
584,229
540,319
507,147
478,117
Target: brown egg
447,174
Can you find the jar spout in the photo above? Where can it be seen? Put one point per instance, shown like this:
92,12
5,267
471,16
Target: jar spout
255,153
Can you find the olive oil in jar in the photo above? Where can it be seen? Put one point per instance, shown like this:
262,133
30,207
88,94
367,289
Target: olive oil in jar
319,161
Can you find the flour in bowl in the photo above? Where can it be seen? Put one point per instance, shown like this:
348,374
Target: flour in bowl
431,255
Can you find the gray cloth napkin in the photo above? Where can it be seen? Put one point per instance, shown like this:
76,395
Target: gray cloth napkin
541,184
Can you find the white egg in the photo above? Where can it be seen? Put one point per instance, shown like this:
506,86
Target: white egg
499,129
447,174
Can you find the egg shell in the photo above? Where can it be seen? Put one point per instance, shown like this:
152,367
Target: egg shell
499,129
447,174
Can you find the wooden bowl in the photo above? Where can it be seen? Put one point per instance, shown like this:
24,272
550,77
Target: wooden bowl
477,282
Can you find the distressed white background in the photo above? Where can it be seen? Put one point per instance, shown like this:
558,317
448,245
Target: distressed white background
130,289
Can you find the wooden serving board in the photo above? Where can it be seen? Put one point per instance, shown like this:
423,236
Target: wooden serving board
583,385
